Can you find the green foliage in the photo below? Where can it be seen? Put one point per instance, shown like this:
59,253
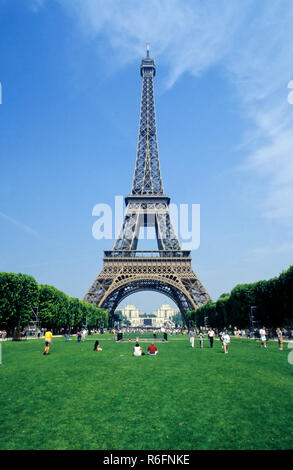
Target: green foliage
222,312
54,307
273,300
224,295
177,319
286,301
75,313
95,316
238,305
20,292
197,317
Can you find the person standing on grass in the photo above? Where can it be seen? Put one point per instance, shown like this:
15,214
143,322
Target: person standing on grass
48,341
3,334
67,334
78,334
221,335
211,335
83,335
191,336
226,341
280,338
200,336
263,337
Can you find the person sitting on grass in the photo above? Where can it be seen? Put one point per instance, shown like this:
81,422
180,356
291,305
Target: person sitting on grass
97,346
137,350
48,341
152,350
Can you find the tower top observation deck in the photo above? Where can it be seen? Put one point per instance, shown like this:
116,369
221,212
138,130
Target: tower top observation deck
148,65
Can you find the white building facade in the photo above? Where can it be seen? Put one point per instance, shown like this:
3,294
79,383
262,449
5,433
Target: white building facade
159,318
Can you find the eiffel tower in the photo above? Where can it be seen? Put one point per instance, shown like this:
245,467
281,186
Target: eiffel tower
127,270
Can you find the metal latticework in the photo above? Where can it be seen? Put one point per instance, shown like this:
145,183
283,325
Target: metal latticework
147,212
167,270
147,176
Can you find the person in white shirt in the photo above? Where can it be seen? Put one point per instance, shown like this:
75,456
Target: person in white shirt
191,336
263,337
226,341
200,340
137,350
83,335
211,335
221,334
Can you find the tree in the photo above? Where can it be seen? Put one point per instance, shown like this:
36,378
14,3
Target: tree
54,307
75,312
286,287
238,305
177,319
223,295
18,294
222,314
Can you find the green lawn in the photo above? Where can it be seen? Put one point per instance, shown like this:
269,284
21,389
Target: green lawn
183,398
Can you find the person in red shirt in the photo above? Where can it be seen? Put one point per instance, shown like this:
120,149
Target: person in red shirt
152,350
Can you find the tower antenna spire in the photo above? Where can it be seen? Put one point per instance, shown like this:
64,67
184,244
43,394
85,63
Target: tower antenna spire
148,50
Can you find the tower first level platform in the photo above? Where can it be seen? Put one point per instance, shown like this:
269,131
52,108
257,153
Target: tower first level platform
169,273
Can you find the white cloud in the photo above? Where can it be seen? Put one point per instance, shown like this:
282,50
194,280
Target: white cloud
251,40
271,161
22,226
188,36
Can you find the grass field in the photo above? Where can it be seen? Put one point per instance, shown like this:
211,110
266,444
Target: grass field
183,398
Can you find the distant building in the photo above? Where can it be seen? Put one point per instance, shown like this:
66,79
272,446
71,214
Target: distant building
161,317
164,316
133,315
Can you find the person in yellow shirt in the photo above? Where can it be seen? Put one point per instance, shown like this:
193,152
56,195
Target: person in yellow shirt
48,341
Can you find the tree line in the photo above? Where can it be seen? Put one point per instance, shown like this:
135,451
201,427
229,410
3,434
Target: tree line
20,294
272,301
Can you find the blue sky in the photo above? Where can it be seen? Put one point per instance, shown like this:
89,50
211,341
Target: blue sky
71,87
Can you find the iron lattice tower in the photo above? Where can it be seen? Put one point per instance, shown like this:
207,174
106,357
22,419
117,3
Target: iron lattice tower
127,270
